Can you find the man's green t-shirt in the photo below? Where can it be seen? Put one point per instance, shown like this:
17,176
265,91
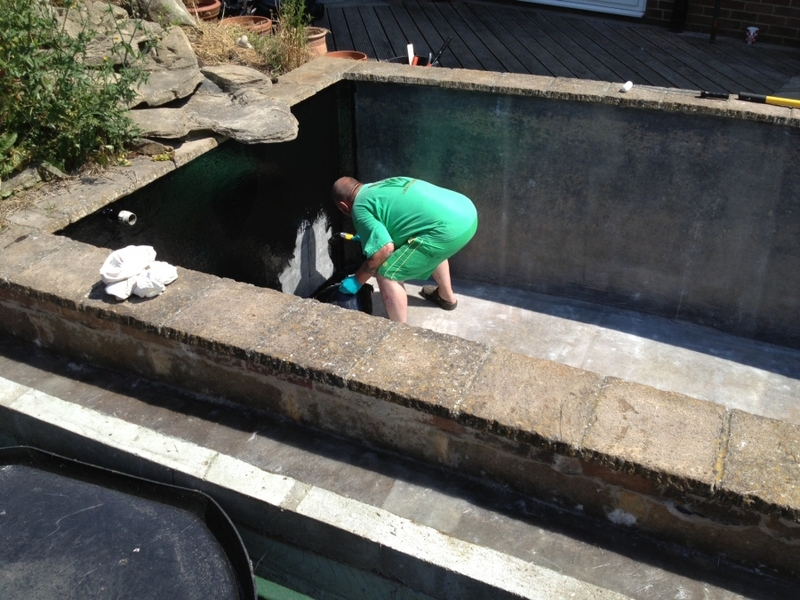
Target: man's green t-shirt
400,208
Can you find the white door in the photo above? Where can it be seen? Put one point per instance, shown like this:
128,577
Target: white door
630,8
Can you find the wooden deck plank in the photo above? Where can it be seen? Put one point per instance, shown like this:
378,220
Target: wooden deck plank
397,38
749,69
557,45
623,38
605,64
458,53
701,76
494,43
422,34
744,55
485,57
724,73
786,59
340,33
689,78
510,20
635,63
380,42
493,21
522,38
358,32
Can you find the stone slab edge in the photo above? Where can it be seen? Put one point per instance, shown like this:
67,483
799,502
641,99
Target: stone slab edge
680,444
322,72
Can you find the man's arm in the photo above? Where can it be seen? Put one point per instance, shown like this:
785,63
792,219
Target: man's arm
373,263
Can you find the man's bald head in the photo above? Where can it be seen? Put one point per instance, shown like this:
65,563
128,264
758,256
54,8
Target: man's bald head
344,193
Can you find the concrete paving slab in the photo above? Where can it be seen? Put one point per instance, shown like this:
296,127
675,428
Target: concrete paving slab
667,354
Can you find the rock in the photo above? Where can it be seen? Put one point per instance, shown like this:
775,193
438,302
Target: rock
50,172
164,12
172,64
110,25
173,68
22,181
232,78
255,120
230,100
151,147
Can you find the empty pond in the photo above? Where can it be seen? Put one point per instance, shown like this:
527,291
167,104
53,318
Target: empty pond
641,244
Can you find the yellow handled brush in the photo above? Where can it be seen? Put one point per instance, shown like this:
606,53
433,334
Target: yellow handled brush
776,100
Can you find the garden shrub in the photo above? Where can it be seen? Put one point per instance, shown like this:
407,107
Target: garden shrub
54,106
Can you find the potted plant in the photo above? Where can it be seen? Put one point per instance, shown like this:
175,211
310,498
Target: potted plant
208,10
253,23
316,40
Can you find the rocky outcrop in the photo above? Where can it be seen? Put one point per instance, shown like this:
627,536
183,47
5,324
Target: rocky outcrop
172,68
163,12
231,101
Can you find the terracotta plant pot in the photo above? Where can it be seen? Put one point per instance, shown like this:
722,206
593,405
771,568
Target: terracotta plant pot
259,25
207,10
316,40
348,54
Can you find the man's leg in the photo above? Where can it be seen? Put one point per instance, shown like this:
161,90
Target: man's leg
442,277
394,298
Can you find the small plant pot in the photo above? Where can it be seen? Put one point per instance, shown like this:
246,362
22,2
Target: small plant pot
316,40
207,10
348,54
259,25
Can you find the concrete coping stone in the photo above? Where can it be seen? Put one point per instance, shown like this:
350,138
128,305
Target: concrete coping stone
322,71
681,444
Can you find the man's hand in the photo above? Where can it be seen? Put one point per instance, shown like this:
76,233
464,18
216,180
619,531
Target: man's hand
350,285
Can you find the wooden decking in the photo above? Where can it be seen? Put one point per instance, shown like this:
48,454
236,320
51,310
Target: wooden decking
523,38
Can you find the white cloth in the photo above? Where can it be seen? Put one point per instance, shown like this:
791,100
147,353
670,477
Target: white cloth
154,280
134,270
127,262
121,289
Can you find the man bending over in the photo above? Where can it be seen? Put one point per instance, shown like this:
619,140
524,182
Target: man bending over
408,229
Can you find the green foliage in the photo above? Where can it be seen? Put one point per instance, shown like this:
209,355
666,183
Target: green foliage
287,50
56,106
292,15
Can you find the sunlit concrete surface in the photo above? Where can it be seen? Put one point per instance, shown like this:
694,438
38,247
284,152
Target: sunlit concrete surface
667,354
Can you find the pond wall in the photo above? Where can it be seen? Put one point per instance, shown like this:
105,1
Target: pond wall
690,216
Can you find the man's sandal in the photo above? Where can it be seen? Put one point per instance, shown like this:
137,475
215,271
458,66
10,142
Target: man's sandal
431,292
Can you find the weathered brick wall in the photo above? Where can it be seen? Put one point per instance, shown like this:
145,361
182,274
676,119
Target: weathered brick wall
778,20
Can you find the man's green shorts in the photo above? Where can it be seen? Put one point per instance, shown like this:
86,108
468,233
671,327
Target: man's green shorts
419,257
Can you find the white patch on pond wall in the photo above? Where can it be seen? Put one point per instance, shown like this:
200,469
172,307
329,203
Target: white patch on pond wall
311,264
620,517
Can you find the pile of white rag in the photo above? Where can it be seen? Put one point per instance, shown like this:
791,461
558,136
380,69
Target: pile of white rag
135,270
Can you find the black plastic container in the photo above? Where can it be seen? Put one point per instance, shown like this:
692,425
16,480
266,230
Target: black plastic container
73,530
329,294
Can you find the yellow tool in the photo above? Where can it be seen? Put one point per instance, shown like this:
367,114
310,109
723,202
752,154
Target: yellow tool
776,100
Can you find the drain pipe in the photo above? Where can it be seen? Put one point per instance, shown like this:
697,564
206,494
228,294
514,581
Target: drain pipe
126,217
